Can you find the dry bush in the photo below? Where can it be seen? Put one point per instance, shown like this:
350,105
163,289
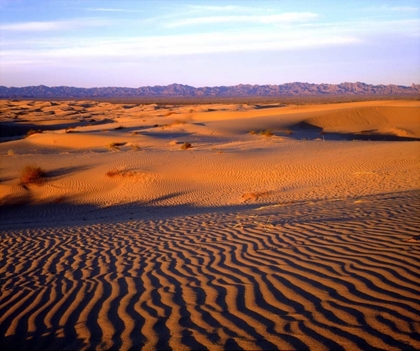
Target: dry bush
32,175
135,147
186,146
10,152
255,195
32,131
112,146
119,127
265,132
120,173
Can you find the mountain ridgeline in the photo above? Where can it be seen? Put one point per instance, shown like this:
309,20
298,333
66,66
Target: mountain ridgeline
180,90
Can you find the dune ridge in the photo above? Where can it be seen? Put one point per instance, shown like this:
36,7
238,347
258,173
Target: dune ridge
305,239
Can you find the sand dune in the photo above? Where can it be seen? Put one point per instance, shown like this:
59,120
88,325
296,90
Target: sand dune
305,239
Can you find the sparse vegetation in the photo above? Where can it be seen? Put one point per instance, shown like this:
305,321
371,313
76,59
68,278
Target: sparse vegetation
119,127
32,175
120,173
135,147
10,152
33,131
264,132
113,146
186,146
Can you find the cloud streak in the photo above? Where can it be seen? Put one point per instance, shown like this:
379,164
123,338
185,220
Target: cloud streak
45,26
288,17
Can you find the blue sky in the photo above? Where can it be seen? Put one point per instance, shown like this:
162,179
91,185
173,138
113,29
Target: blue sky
89,43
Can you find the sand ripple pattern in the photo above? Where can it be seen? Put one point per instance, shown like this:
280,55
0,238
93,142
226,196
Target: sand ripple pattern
319,275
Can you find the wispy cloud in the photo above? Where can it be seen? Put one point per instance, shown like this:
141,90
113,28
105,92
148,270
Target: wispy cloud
76,23
132,49
288,17
226,8
104,9
388,8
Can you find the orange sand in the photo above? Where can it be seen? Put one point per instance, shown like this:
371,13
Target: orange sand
308,238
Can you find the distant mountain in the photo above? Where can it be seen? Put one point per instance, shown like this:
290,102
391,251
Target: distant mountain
175,90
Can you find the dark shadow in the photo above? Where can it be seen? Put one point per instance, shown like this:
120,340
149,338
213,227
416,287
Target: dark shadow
307,131
47,338
260,107
165,134
59,172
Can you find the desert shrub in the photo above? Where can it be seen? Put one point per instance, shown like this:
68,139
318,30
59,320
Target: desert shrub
10,152
32,175
135,147
119,127
266,133
113,146
186,146
120,173
33,131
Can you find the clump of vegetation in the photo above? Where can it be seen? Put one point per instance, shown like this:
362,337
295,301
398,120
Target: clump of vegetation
186,146
119,127
120,173
70,129
32,131
32,175
10,152
113,146
264,132
135,147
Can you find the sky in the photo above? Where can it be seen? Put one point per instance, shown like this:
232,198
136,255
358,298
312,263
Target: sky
133,43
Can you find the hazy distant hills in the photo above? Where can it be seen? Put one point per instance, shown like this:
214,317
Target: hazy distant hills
289,89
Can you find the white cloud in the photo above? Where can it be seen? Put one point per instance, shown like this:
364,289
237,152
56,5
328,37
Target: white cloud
75,23
226,8
103,9
133,49
287,17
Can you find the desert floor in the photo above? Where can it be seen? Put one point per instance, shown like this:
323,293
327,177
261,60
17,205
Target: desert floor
281,227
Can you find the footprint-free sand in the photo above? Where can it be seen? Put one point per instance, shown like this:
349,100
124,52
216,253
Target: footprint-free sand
219,226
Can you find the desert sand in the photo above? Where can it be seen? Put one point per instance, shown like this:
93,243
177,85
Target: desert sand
281,227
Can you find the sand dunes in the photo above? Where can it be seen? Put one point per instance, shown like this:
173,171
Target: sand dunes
298,241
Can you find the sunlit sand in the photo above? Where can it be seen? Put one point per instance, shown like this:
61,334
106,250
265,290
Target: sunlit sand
278,227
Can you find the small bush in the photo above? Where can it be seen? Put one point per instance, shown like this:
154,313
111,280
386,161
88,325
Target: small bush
266,133
119,127
32,175
120,173
135,147
113,146
10,152
33,131
186,146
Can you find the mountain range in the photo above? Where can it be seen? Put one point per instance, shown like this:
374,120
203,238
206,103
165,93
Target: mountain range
175,90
